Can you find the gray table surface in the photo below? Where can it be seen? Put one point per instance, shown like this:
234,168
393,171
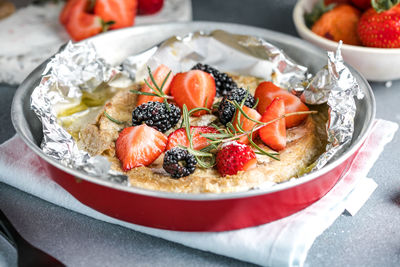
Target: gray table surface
371,238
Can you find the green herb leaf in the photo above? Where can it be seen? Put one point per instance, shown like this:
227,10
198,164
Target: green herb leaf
199,109
186,124
263,152
256,104
383,5
165,80
142,93
112,119
156,92
199,153
167,104
231,128
238,107
153,80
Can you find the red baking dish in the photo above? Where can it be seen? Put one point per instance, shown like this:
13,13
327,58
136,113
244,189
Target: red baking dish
193,212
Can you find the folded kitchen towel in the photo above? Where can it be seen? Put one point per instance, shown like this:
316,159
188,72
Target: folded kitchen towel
281,243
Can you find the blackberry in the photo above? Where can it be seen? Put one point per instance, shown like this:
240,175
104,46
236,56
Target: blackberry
226,110
156,115
179,162
223,83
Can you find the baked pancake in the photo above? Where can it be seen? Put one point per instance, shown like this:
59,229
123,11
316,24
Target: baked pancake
304,144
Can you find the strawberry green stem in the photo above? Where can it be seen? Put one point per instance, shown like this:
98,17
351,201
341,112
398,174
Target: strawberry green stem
383,5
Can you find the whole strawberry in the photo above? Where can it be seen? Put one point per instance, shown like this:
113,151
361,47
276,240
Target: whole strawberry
379,26
337,24
234,157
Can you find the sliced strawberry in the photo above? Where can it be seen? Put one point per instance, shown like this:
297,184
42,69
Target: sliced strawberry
139,146
234,157
79,23
194,88
122,12
266,93
147,7
246,124
274,134
179,137
159,75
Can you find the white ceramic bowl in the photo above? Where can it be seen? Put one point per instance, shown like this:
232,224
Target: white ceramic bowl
376,64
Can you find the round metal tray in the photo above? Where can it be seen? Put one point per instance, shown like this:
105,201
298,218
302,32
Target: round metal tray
192,212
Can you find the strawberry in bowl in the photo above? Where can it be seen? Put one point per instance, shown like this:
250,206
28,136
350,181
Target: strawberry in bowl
373,50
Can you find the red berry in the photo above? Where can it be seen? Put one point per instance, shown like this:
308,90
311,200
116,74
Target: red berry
122,12
79,23
234,157
139,146
179,137
380,29
147,7
194,88
266,92
159,76
274,134
246,124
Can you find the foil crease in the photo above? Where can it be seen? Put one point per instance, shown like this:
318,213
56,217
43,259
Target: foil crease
78,68
74,69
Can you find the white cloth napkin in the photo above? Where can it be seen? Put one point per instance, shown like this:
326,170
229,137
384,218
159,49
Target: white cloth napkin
281,243
33,34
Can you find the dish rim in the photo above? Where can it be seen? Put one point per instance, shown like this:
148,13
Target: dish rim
22,128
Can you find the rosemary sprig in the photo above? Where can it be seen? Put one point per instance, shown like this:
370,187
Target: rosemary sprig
157,90
262,124
186,123
153,81
239,107
199,109
165,80
199,155
231,128
259,149
112,119
256,104
190,113
215,105
231,134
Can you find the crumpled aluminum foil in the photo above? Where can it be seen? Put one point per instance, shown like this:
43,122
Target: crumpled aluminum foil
69,72
78,68
336,86
242,54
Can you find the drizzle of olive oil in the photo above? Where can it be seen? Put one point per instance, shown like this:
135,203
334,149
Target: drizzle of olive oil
88,102
306,169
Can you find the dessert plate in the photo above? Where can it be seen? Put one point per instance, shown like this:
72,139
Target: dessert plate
193,212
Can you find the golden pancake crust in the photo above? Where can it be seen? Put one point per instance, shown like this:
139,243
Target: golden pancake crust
304,146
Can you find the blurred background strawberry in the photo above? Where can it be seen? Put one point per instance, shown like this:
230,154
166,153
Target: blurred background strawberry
340,23
372,23
147,7
86,18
